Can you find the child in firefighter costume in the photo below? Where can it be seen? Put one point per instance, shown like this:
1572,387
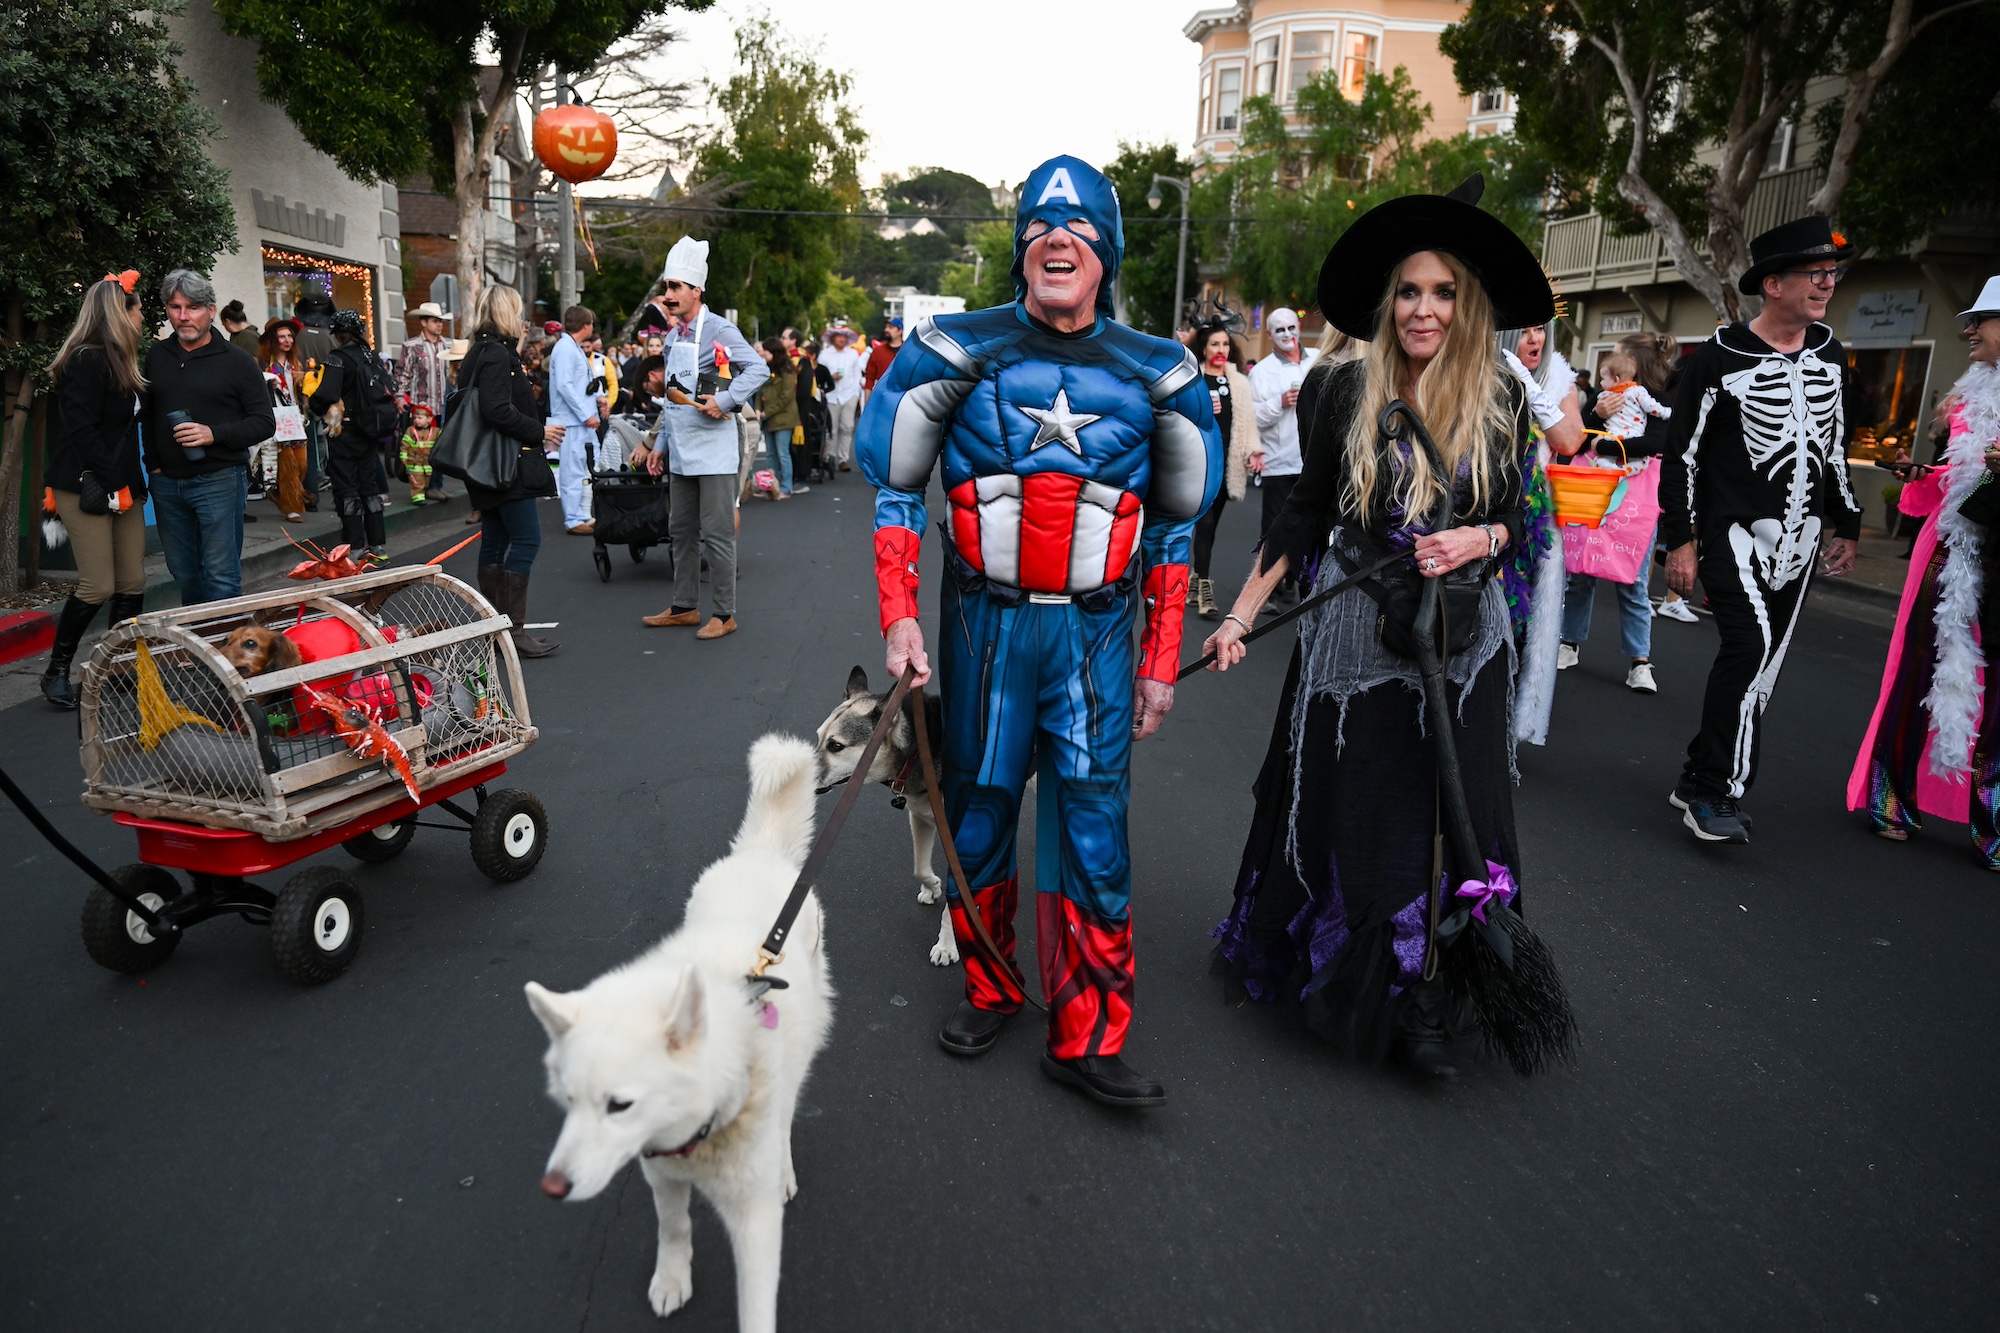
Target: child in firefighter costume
1076,455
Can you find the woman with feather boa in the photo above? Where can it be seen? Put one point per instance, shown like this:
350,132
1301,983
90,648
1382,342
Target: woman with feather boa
1933,745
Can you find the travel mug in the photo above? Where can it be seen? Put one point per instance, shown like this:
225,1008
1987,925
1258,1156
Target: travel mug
175,420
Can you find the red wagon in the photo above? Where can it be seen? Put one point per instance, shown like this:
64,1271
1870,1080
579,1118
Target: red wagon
225,777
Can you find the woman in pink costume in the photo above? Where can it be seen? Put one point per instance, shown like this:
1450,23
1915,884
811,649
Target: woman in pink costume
1933,746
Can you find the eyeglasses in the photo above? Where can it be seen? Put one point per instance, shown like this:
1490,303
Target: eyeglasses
1820,277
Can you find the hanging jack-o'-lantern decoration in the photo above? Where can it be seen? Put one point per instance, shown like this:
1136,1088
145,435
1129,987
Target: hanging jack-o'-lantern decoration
578,143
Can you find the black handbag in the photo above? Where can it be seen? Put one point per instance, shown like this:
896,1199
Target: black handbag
1399,591
91,497
471,449
1983,505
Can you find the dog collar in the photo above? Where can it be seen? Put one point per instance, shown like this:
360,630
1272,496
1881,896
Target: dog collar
685,1148
898,784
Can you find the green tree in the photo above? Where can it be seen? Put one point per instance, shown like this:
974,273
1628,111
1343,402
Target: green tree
993,242
787,140
104,150
1663,112
1152,236
1304,185
388,88
939,191
840,299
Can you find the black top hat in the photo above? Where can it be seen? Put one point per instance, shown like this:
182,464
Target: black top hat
1357,269
1790,245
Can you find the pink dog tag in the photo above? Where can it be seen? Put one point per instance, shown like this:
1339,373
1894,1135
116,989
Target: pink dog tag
768,1016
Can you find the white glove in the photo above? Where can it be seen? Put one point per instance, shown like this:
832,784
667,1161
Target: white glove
1544,403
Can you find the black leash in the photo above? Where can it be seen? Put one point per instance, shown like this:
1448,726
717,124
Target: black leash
156,923
1286,617
772,950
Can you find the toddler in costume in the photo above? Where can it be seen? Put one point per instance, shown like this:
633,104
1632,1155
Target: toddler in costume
1630,419
417,442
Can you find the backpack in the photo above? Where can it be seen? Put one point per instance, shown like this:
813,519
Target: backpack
371,397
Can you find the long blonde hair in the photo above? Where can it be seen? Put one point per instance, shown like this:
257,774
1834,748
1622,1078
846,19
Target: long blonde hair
103,324
1458,399
498,309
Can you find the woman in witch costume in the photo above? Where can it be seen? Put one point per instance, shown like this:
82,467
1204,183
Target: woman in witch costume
1338,901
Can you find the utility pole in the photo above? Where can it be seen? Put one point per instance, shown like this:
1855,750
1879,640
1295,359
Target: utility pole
566,206
1153,200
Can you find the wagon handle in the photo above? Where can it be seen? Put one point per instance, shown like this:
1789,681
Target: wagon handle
156,923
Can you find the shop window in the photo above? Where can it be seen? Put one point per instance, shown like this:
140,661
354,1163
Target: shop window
291,274
1310,53
1887,402
1357,64
1228,98
1264,77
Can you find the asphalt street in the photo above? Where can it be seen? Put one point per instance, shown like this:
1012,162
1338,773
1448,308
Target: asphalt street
1780,1117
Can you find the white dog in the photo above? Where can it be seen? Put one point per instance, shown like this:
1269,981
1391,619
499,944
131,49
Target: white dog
671,1059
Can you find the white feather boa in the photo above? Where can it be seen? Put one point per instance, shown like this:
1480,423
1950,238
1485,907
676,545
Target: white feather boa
1535,692
1954,699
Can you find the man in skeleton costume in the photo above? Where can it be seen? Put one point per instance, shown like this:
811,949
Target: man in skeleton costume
1754,482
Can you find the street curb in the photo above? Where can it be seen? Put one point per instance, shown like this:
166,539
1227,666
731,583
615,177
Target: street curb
1867,594
25,633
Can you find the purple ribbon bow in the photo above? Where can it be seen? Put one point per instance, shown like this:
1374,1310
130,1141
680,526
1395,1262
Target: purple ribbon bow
1498,884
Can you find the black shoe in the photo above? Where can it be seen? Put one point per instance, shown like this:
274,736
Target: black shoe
1106,1079
1715,819
1429,1060
971,1030
1684,791
72,622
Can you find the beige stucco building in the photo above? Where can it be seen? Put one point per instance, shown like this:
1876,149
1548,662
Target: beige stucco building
1270,48
301,223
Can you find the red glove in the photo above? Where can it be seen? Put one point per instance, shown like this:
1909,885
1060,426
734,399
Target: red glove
896,552
1166,608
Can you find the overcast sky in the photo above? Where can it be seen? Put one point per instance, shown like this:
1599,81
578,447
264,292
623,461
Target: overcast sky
987,89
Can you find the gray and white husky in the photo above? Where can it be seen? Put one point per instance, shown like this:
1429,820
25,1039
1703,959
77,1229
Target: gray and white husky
845,734
672,1059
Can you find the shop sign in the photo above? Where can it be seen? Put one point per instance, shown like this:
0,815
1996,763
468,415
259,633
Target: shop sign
1886,319
1627,322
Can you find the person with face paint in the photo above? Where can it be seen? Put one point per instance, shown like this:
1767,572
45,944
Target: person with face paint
1076,455
1275,382
1229,394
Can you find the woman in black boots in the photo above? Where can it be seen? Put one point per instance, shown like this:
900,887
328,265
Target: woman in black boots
512,532
96,479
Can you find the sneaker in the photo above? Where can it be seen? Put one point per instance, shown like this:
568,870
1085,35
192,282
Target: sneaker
1715,819
801,490
1566,657
1640,678
1676,608
1205,606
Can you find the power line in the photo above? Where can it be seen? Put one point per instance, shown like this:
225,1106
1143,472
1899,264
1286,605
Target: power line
624,206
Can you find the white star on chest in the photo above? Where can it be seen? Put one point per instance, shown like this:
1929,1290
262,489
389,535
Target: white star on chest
1057,424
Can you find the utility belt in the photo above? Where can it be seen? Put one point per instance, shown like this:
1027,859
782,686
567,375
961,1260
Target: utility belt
969,581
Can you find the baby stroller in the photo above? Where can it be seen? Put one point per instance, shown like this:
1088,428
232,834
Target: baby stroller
627,508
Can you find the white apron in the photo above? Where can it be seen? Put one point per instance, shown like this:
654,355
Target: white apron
697,445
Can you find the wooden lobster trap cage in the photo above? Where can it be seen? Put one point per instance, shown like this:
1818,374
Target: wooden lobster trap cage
173,731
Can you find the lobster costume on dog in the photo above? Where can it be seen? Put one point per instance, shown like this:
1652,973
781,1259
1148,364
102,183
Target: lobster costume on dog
1075,465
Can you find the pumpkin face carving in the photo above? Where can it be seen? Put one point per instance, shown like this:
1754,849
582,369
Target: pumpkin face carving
576,143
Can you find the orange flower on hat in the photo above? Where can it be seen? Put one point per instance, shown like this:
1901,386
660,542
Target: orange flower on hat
1839,241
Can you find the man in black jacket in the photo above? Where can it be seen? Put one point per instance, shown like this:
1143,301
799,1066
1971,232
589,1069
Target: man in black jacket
206,406
1753,485
359,381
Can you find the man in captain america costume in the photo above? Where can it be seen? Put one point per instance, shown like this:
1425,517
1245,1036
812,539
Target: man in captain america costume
1076,454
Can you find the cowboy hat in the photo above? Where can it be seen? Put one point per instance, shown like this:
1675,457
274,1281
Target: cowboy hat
1357,268
428,310
1787,246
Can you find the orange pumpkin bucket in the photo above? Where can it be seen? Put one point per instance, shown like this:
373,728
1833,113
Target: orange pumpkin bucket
1582,493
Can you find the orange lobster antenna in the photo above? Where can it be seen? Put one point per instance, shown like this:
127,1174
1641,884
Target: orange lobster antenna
440,559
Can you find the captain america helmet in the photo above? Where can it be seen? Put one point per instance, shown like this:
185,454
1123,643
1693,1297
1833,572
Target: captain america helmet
1058,191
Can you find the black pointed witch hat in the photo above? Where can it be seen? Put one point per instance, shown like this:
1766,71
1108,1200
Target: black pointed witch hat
1357,269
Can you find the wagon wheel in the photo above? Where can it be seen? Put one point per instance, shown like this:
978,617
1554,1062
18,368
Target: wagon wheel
508,834
638,553
316,925
384,842
115,935
603,559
